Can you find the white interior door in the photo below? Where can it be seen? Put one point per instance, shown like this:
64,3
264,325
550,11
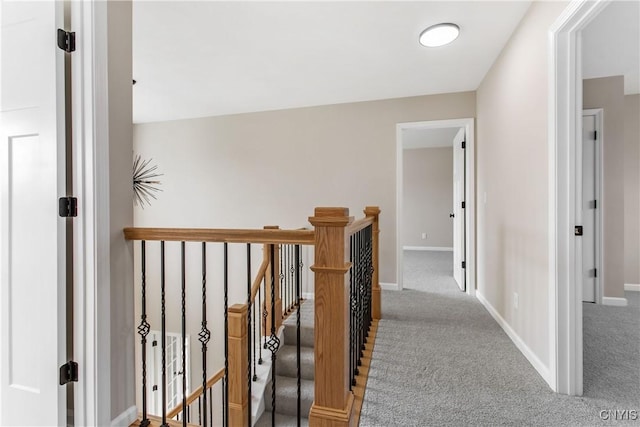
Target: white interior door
588,208
458,211
174,374
32,237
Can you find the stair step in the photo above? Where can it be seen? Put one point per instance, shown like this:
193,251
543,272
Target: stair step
286,365
306,335
286,396
282,420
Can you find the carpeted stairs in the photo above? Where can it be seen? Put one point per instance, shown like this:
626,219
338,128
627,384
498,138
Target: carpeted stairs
286,373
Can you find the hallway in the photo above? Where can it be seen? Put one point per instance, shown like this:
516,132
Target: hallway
440,359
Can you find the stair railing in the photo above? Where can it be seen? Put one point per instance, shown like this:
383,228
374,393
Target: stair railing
346,305
174,290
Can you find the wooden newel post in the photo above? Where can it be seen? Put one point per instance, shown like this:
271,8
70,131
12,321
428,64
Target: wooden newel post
238,366
333,404
275,265
376,295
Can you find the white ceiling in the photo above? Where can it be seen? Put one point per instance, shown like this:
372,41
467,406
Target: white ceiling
195,59
611,44
428,138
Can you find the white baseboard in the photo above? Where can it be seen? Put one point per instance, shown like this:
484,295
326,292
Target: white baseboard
126,418
389,286
308,295
537,364
631,287
427,248
617,302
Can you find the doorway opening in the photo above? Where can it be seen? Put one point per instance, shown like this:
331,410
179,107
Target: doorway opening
577,64
435,204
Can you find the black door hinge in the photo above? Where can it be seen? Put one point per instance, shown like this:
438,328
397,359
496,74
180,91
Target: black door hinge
595,272
464,264
66,40
463,205
595,135
578,230
69,372
154,343
68,207
464,144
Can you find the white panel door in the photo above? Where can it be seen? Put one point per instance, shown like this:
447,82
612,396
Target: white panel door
458,211
588,203
32,238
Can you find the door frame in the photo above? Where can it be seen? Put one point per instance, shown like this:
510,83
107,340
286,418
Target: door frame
598,113
92,317
564,127
470,211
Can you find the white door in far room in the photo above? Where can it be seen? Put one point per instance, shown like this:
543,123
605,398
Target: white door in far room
32,236
458,210
589,207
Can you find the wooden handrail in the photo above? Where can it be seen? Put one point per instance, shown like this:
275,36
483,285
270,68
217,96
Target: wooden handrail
256,282
358,225
268,236
196,393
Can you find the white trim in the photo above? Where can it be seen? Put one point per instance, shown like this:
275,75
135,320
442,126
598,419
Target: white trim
537,364
632,287
91,227
617,302
470,235
564,118
390,286
427,248
126,418
308,295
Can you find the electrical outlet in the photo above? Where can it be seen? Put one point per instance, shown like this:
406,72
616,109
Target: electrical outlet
515,300
424,236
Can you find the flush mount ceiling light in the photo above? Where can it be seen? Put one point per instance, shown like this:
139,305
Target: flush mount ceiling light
439,35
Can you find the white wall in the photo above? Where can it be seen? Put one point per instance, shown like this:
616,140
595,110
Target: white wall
632,189
121,206
427,197
512,183
274,168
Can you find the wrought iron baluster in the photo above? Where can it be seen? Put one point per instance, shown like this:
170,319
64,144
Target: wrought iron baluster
261,330
163,340
274,342
253,340
184,334
292,272
369,274
200,409
205,335
226,333
283,278
249,341
352,310
297,301
362,298
143,330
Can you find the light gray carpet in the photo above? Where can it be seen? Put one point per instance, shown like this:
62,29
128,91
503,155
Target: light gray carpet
441,360
611,341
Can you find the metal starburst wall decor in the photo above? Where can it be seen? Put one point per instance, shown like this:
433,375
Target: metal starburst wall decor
145,183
